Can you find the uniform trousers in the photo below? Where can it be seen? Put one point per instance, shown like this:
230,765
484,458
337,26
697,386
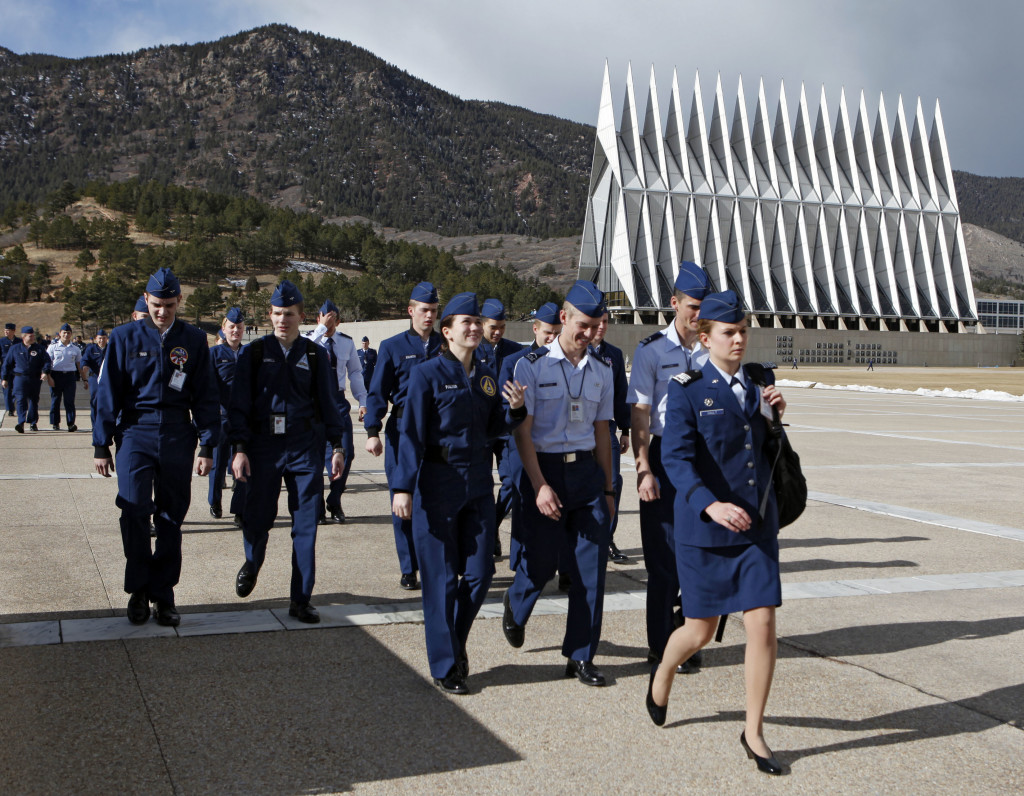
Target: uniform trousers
294,458
63,389
506,491
94,379
658,540
26,397
154,478
404,543
337,486
9,399
581,533
616,480
222,455
454,536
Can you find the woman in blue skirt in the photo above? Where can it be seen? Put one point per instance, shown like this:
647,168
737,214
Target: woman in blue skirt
727,552
443,483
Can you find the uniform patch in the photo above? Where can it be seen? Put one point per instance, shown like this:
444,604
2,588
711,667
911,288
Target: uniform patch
709,402
303,363
488,386
179,356
33,353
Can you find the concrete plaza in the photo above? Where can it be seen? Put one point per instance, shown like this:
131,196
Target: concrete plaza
901,640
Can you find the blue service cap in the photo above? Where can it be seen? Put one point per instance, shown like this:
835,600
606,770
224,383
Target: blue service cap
10,326
141,305
424,292
587,298
493,309
548,313
366,339
163,284
101,333
286,295
724,307
329,306
27,330
461,304
234,315
693,281
65,327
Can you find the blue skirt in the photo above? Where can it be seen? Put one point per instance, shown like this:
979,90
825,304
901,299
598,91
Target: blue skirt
725,580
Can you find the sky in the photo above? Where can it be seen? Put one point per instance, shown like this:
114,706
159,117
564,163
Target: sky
549,56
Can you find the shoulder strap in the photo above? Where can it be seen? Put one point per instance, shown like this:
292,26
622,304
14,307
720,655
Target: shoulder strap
652,338
688,376
536,354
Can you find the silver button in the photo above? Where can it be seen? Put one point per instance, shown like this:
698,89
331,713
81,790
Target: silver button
747,446
750,465
746,428
751,482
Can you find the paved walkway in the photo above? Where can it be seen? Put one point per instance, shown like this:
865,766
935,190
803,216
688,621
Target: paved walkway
900,666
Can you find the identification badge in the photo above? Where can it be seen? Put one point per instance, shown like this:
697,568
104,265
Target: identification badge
177,380
279,426
576,411
766,408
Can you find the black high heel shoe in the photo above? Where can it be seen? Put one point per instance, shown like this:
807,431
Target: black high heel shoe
769,765
657,712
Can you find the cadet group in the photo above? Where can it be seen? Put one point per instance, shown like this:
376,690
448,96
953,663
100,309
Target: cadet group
554,415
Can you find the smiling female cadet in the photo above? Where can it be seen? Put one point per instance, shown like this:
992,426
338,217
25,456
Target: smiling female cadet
443,483
726,553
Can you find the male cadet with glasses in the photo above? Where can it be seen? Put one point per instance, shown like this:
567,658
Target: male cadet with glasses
9,339
283,407
658,358
546,327
345,365
612,356
368,360
398,356
492,352
566,489
155,400
23,370
225,359
65,367
92,361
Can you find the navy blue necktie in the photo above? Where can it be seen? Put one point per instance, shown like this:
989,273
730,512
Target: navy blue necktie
334,357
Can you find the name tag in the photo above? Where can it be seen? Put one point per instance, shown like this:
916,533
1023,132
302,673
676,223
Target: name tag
549,384
704,412
451,387
672,365
576,411
410,356
177,380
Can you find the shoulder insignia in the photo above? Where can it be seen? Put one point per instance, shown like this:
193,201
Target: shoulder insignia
339,332
596,358
652,338
687,377
533,356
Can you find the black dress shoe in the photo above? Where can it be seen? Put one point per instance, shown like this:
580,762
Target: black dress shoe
33,427
497,547
138,608
216,511
514,634
584,671
20,428
337,515
304,612
55,428
769,765
409,582
462,664
238,520
657,712
245,580
692,664
72,428
166,614
617,556
564,583
453,683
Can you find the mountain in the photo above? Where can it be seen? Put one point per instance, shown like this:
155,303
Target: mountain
297,119
996,203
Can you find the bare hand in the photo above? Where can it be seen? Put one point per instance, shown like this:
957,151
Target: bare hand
513,392
48,379
203,465
624,442
611,507
374,446
240,467
548,503
104,466
401,505
729,516
337,464
362,412
647,486
772,395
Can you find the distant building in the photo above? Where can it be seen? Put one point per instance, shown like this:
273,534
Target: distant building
826,224
1000,315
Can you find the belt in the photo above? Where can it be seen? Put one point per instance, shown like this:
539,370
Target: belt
266,426
162,416
570,457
